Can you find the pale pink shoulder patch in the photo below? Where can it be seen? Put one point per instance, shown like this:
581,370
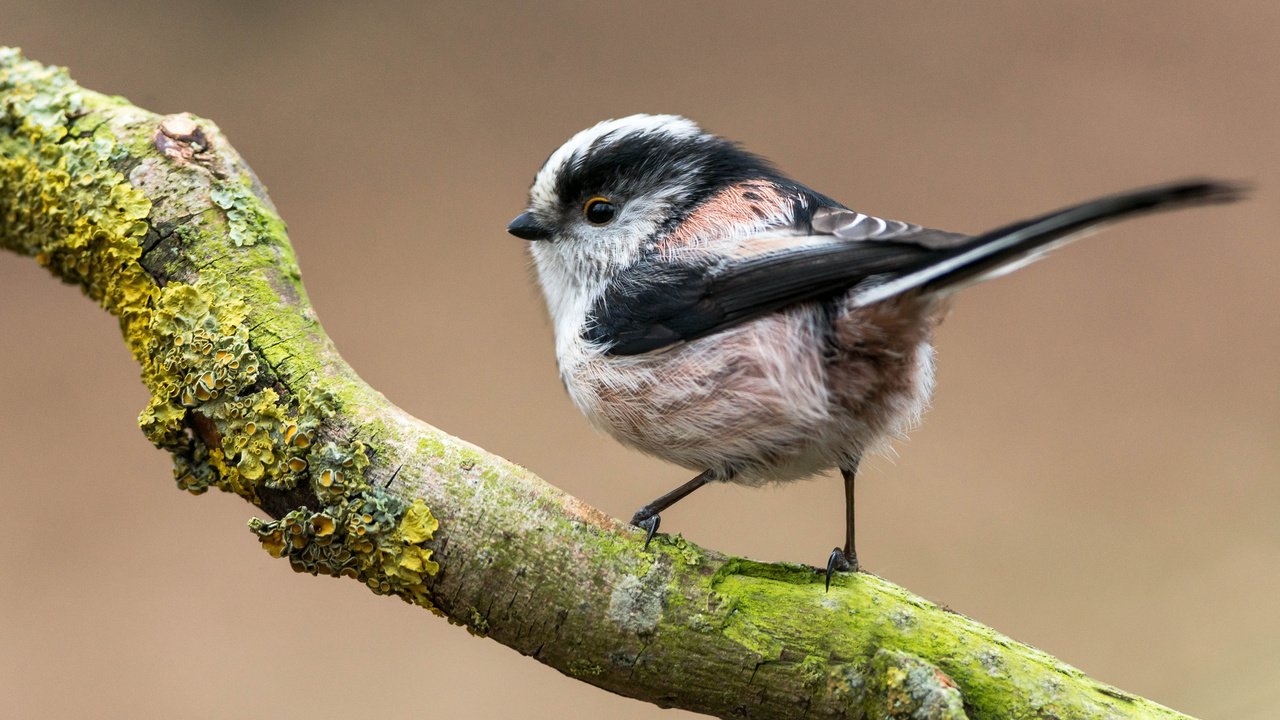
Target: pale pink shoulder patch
737,211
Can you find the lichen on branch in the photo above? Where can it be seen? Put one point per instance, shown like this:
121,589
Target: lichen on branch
68,197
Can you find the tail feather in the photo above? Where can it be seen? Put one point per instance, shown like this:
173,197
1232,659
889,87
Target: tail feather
1008,248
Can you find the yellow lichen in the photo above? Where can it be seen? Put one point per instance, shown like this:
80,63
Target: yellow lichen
200,361
216,404
338,472
418,525
62,199
373,536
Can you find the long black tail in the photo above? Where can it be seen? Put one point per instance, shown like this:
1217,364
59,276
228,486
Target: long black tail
1007,248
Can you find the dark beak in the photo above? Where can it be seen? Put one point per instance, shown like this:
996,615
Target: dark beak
526,227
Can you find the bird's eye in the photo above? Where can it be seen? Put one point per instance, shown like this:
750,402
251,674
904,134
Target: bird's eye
599,211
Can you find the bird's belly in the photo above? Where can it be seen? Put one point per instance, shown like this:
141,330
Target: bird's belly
770,400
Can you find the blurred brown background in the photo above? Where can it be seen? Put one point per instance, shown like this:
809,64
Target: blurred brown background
1098,476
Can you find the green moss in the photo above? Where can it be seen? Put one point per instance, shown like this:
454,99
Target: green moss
584,669
755,638
479,624
813,671
430,446
785,573
689,554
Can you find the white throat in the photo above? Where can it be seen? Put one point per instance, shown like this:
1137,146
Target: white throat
569,289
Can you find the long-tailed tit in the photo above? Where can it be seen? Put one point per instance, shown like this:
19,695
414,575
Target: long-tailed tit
715,313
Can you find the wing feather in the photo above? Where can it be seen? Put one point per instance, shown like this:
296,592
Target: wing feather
657,303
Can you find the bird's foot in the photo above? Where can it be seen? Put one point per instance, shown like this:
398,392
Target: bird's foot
648,521
839,561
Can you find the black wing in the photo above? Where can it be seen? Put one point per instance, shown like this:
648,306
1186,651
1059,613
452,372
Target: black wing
660,304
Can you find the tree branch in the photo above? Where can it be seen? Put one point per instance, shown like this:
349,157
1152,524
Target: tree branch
159,220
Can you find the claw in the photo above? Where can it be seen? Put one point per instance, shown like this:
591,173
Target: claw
651,525
838,561
647,520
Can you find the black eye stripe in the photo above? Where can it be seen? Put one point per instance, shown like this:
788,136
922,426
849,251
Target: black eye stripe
637,164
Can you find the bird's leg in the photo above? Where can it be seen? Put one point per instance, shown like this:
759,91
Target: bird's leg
648,518
846,559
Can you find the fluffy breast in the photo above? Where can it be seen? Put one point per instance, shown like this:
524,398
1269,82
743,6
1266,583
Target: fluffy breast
744,402
779,398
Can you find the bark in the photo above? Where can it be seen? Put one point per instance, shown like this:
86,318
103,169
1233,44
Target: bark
158,219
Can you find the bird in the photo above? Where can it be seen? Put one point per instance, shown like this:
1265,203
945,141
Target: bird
715,313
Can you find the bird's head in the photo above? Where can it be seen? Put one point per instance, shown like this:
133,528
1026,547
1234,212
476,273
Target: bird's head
619,187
